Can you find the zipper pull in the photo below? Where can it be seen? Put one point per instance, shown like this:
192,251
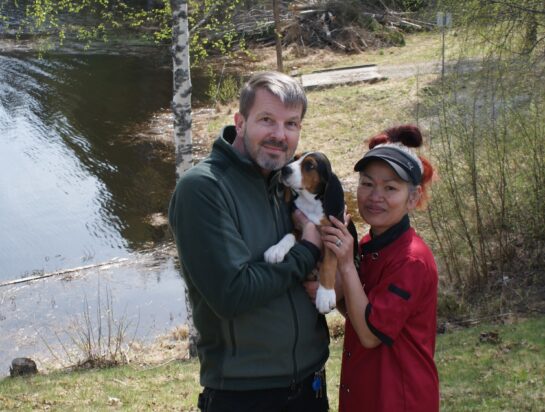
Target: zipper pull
317,385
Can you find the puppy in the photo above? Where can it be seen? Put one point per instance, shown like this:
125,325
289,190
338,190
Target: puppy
319,194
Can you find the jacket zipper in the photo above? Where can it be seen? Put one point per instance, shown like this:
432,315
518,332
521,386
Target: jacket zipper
296,340
276,213
278,222
233,341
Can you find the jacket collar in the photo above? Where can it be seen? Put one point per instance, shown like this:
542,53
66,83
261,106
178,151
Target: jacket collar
381,241
224,144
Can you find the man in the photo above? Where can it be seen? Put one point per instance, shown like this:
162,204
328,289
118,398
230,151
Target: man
262,344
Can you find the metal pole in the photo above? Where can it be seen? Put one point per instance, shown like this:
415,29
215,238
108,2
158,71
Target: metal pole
442,53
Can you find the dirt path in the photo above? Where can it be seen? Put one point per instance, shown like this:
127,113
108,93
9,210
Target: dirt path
372,73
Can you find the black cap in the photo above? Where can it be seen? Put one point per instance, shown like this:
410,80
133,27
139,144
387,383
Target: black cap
406,167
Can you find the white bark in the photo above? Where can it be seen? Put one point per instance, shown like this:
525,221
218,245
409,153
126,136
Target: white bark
181,109
181,100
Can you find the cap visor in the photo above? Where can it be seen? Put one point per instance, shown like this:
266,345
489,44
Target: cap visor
360,165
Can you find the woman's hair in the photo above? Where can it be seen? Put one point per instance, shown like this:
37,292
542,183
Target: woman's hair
407,137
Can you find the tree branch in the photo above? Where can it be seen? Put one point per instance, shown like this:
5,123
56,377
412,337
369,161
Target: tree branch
517,7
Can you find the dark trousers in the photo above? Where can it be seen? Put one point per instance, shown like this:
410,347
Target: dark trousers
298,398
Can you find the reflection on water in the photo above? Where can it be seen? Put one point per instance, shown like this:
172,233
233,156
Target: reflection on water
83,182
73,189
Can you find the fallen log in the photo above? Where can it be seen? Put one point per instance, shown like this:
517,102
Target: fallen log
63,272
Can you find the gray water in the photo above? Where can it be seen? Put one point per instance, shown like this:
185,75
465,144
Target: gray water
85,179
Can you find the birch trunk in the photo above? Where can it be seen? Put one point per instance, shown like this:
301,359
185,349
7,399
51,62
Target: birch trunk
181,110
181,100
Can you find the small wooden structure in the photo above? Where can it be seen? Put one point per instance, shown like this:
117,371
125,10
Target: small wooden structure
345,75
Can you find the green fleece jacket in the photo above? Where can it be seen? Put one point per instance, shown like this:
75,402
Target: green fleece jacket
258,328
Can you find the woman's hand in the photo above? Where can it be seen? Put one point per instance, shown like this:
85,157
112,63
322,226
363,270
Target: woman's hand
337,239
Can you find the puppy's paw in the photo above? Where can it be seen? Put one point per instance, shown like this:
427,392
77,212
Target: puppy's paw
325,300
276,253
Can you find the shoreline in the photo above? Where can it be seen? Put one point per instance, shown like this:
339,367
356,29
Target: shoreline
142,297
48,44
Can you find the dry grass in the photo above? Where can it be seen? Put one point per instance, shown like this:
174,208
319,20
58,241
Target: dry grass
339,119
420,47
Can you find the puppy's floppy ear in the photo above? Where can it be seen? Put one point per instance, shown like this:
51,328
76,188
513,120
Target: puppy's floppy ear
298,155
324,167
352,230
288,194
334,198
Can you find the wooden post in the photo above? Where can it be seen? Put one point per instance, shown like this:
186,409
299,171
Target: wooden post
277,35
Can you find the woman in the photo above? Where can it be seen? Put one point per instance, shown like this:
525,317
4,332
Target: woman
390,303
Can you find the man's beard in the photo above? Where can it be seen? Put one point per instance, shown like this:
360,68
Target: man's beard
264,160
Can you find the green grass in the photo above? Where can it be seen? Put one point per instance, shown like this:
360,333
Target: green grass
505,376
475,376
168,387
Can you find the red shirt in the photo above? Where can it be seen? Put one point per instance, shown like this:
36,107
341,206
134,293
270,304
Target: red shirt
399,375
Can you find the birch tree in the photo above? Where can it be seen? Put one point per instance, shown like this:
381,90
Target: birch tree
212,26
181,100
181,110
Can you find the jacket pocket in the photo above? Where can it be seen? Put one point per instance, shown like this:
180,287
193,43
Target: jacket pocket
260,343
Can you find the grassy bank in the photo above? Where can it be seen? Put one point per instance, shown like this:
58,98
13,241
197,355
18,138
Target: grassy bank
486,125
485,368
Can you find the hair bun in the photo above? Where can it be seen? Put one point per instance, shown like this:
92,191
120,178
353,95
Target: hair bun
406,134
381,138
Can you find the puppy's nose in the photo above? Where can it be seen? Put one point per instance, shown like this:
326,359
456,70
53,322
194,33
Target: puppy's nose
286,171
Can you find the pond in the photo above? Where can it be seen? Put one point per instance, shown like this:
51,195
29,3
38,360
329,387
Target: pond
86,173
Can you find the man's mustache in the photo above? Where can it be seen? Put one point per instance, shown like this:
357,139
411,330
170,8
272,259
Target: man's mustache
275,143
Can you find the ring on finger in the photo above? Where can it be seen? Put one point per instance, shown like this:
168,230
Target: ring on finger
339,242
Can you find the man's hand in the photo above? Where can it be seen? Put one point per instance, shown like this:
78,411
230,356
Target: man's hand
311,287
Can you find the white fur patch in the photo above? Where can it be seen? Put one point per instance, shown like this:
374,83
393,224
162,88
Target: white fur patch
295,178
325,300
313,208
276,253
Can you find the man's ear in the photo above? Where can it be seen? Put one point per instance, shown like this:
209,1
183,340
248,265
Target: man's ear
239,123
298,155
